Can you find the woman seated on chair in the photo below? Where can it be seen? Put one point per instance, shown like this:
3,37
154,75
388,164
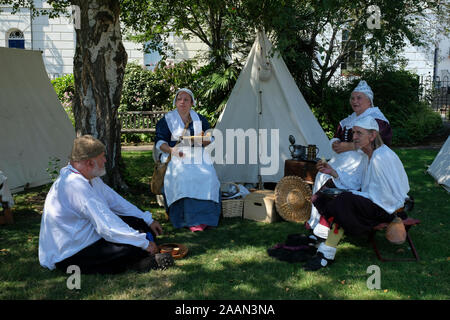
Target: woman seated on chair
191,187
346,160
384,190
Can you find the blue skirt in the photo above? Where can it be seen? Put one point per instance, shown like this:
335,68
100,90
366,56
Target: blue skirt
189,212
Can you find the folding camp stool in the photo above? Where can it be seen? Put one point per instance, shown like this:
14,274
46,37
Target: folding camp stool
408,223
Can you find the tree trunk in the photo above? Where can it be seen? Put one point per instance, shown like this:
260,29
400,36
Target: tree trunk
99,68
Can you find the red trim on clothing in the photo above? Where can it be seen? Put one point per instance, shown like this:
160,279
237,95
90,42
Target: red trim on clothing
324,221
336,228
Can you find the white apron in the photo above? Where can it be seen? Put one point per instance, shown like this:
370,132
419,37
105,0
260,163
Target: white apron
193,175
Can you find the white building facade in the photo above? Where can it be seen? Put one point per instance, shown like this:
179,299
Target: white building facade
55,38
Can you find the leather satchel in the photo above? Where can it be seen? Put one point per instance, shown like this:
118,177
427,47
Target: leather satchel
159,171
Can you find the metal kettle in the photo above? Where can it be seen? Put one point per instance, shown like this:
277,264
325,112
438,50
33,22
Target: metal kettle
298,152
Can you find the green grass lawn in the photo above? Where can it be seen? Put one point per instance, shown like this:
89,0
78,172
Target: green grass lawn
231,262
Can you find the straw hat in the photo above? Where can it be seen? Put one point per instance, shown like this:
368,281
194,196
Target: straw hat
293,199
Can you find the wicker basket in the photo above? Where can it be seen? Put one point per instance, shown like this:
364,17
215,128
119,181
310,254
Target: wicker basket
232,207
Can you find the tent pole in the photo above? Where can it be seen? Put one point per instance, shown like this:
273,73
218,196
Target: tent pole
259,114
260,184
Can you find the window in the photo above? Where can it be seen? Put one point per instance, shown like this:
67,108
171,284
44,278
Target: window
354,60
16,39
151,58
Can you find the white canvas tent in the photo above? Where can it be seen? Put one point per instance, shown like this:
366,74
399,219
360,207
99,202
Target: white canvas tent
266,97
34,128
440,168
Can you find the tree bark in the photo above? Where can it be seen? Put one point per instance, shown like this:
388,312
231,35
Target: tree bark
99,67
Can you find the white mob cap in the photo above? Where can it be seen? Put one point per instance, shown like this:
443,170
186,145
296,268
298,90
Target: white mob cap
367,123
184,90
365,88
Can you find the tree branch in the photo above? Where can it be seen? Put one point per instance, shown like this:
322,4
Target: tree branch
197,29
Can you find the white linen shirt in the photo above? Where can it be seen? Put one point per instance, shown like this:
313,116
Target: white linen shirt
78,213
384,181
346,164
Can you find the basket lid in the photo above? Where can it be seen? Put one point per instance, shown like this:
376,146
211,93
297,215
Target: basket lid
293,199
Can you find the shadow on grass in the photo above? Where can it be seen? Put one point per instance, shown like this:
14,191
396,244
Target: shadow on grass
231,261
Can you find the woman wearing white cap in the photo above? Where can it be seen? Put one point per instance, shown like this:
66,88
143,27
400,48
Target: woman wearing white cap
191,187
347,159
384,190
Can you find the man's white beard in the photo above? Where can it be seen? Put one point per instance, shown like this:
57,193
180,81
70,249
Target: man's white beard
97,172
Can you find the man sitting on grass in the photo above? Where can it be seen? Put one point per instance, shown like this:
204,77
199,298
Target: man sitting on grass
87,224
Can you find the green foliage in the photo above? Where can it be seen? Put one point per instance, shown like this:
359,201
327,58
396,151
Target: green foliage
308,33
206,19
334,107
63,85
213,86
420,125
146,90
53,168
55,9
176,76
396,93
65,90
142,91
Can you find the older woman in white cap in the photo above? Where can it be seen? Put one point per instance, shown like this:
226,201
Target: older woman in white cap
384,190
191,187
346,159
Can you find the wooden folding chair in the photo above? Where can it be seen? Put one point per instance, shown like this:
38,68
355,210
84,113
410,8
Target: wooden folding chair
408,223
